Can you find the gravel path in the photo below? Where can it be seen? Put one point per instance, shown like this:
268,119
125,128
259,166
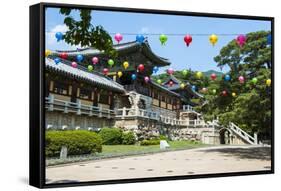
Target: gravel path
218,159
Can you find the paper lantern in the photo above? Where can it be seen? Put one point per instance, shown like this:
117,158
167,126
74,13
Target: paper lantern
171,83
47,52
119,74
268,82
95,60
79,58
63,55
146,79
126,65
224,93
159,81
241,79
118,37
254,80
213,39
155,69
140,38
213,76
241,40
134,76
74,64
141,68
233,94
214,91
163,39
199,75
59,36
170,71
184,72
227,77
57,60
90,68
193,88
105,71
187,39
110,62
182,85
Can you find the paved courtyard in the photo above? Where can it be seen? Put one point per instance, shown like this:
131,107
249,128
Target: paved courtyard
218,159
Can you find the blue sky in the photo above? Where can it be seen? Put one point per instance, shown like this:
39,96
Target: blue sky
198,56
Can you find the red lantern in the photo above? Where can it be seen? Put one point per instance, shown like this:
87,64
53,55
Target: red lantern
213,76
171,83
187,39
224,93
63,55
105,71
141,67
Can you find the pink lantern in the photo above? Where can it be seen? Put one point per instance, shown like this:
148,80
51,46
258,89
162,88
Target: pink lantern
171,83
241,40
74,64
170,71
241,79
146,79
118,37
95,60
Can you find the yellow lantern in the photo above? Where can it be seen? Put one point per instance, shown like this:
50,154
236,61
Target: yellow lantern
119,74
47,52
213,39
126,64
199,74
268,82
233,94
182,85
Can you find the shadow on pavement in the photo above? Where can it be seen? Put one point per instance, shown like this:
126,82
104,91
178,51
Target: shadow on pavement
260,153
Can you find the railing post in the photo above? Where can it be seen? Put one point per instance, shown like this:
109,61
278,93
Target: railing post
65,107
123,112
100,111
78,107
255,138
51,101
91,111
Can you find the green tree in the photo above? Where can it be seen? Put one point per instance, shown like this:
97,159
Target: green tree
82,32
251,107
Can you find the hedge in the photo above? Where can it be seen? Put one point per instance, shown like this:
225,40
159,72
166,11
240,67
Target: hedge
128,138
78,142
155,141
111,136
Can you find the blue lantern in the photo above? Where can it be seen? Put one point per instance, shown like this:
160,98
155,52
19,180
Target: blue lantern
59,36
193,88
227,77
269,39
57,60
155,69
140,38
134,76
79,57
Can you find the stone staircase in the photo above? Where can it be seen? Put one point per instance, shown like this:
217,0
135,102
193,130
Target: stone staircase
242,134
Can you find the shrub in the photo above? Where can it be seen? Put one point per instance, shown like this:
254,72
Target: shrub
128,138
111,136
150,142
163,137
78,142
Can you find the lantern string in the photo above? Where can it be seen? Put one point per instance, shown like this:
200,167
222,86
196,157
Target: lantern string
168,34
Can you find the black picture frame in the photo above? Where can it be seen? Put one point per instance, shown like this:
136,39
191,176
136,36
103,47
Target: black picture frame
37,79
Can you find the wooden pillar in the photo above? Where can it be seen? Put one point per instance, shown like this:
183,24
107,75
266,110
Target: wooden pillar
73,93
96,97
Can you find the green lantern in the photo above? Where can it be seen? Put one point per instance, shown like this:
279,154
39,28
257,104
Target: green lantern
254,80
90,68
163,39
110,62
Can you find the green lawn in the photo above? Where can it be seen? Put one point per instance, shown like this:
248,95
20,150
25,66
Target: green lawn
137,149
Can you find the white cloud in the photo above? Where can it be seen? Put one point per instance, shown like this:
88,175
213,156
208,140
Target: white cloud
50,35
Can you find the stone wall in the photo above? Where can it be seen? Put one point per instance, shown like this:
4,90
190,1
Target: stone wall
58,120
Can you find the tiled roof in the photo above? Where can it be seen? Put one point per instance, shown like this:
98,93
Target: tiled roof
144,47
95,78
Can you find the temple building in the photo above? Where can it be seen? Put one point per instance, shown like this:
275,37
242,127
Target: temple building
79,99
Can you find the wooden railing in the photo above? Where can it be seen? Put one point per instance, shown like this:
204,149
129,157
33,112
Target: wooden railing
52,104
244,135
